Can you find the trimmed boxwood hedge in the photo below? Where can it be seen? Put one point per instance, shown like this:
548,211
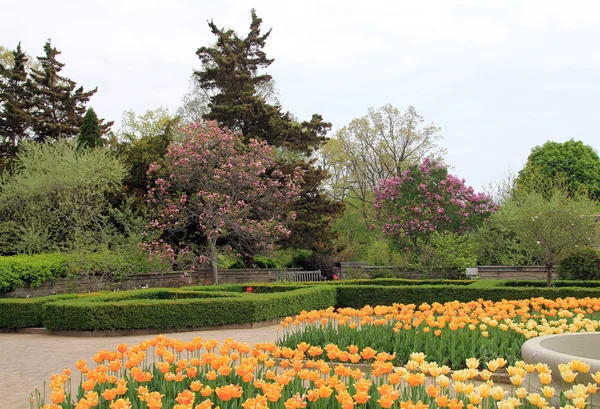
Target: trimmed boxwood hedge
162,308
203,306
359,296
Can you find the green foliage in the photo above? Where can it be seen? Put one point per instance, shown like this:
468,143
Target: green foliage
450,253
495,243
551,229
89,133
265,262
230,73
145,139
381,252
102,268
572,164
57,197
353,234
30,271
379,145
582,264
358,296
58,105
26,312
195,307
301,258
15,115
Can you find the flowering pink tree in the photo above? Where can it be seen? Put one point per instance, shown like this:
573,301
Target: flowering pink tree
426,198
212,188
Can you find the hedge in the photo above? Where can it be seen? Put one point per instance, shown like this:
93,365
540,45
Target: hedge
26,312
203,306
193,307
359,296
30,270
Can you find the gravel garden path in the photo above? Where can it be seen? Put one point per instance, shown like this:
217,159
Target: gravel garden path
28,360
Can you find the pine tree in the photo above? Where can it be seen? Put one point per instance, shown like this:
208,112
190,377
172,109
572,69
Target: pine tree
89,133
59,105
15,109
231,74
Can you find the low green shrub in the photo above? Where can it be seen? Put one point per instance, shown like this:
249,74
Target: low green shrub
266,262
192,307
555,283
103,267
201,306
31,270
583,264
26,312
358,296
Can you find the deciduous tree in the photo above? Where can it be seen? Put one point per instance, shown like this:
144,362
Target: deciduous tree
425,198
213,189
144,140
572,164
378,146
552,228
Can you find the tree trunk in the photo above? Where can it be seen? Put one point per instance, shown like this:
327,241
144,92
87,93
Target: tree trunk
213,261
549,275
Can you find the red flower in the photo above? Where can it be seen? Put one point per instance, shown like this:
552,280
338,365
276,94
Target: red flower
335,277
248,289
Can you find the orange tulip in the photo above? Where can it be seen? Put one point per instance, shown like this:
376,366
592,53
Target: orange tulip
109,394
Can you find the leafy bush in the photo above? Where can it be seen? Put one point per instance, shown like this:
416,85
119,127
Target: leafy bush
57,196
32,270
583,264
496,244
265,262
301,258
446,255
380,253
103,267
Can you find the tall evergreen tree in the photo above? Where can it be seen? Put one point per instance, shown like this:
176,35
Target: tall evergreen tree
231,74
89,133
15,108
59,105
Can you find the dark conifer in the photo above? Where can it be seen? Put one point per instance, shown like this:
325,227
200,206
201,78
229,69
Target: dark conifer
89,133
15,104
59,105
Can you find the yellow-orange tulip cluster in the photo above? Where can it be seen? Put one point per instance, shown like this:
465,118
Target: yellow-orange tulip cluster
164,373
481,328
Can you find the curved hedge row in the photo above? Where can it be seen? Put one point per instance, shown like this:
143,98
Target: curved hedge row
195,307
163,308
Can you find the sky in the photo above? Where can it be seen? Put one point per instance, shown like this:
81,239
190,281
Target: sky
498,77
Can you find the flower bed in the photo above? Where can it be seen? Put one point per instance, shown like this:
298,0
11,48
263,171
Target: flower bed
448,333
165,373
